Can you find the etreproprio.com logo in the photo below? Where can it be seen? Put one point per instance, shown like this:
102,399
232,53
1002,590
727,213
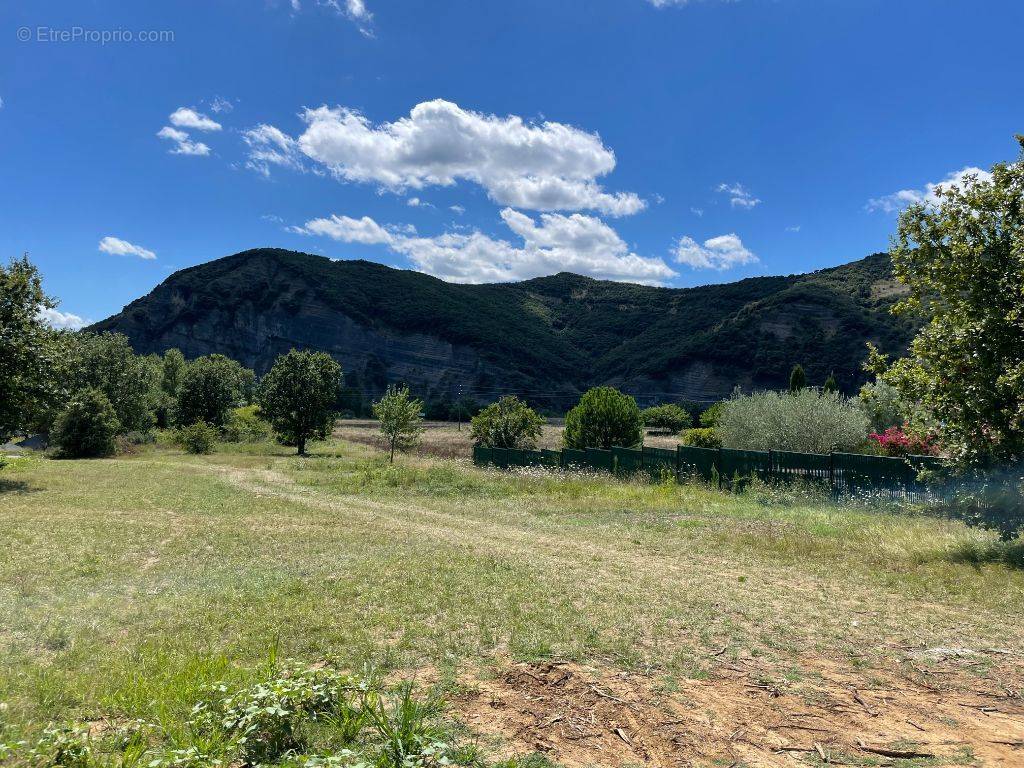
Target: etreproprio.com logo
76,34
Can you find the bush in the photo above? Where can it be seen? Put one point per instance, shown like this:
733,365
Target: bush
711,416
197,438
87,427
669,417
508,423
896,441
210,387
604,418
244,425
808,421
702,437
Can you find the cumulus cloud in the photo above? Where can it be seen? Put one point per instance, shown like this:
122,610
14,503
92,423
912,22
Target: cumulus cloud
721,253
739,196
186,117
538,166
61,320
897,201
183,145
348,230
555,242
118,247
219,104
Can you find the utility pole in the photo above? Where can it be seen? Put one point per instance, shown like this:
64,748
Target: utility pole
458,406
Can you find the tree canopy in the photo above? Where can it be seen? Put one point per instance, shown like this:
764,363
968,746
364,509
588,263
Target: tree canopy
604,418
299,396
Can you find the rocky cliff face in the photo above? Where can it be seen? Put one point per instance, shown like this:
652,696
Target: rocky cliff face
547,338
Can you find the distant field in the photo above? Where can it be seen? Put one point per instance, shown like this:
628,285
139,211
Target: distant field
580,619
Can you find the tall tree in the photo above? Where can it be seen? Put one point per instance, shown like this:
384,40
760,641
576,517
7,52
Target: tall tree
961,256
401,418
797,378
508,423
298,396
27,349
107,362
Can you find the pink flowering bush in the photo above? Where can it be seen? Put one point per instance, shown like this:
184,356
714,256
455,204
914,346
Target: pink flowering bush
896,441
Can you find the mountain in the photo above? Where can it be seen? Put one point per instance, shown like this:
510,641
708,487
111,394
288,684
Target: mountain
546,338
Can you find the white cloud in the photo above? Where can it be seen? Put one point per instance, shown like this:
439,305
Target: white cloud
794,228
897,201
698,212
219,104
722,252
415,202
61,320
575,243
739,196
348,230
538,166
270,146
183,145
118,247
457,209
355,10
186,117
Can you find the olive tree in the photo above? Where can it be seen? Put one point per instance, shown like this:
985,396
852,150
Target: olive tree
604,418
401,419
508,423
299,395
807,420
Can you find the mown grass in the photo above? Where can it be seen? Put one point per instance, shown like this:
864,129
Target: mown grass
126,585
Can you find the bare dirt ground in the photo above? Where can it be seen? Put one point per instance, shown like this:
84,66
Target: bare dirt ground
581,716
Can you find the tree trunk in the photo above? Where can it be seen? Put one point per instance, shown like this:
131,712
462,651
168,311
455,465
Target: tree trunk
392,460
302,446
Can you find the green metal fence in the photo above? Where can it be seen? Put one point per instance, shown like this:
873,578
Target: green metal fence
845,473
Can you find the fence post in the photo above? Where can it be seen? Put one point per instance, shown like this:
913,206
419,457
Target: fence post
719,468
832,475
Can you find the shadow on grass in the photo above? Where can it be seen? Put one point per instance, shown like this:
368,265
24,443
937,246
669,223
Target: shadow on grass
1008,553
15,486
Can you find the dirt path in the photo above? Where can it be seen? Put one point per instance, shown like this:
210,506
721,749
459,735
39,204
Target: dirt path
916,710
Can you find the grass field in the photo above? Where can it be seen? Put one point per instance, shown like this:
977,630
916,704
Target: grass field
573,619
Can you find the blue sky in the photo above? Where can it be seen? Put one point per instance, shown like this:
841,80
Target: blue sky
665,142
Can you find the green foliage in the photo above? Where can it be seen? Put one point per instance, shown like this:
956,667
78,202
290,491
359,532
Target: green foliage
210,387
670,417
806,421
107,362
401,419
797,378
831,385
711,416
86,428
246,425
198,438
604,418
702,437
960,259
508,423
28,349
298,396
172,371
883,405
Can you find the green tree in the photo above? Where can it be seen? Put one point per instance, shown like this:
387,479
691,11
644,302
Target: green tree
198,438
172,370
669,417
299,396
107,362
86,428
807,420
604,418
400,417
831,385
709,419
28,352
961,257
210,387
797,378
508,423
